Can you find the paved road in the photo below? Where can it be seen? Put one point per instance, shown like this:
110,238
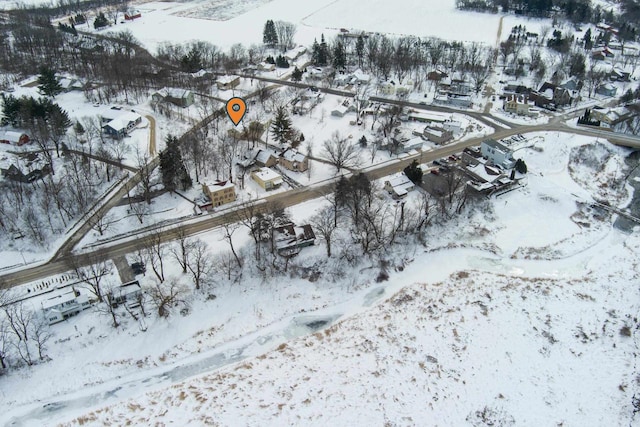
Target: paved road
63,260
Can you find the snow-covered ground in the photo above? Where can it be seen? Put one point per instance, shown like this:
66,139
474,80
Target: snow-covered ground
516,312
214,21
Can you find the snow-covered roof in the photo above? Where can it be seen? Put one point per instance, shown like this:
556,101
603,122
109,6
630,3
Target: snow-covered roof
219,186
295,52
123,120
266,174
293,156
58,301
174,92
11,136
263,156
361,76
226,79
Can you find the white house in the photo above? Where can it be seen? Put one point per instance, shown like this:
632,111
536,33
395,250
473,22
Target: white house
398,185
66,304
498,153
127,293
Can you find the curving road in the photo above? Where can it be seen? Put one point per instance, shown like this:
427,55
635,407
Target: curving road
64,259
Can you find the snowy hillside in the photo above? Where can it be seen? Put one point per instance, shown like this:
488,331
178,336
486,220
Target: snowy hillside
521,312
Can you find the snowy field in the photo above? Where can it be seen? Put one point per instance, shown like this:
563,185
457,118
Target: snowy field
429,344
215,21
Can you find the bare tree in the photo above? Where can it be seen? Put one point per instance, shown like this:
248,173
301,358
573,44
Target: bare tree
324,225
92,275
167,295
229,229
341,152
109,307
154,252
5,342
286,31
140,210
41,334
181,249
19,320
200,264
102,223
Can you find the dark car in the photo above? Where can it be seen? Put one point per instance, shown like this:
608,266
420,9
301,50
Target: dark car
138,268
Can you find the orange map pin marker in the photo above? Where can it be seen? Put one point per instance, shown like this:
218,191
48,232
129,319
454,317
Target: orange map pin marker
236,108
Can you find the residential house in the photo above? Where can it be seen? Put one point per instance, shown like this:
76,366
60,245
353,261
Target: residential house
427,117
127,293
607,89
519,105
602,53
462,101
294,160
266,158
453,126
65,304
551,95
437,134
317,73
610,116
123,123
132,14
220,192
306,101
267,178
571,85
227,82
513,89
387,88
398,185
179,97
497,153
288,239
343,108
360,77
400,144
68,84
266,66
295,53
620,75
24,167
436,75
14,137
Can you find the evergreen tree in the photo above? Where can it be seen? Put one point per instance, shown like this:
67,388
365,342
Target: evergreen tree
588,43
281,126
315,53
296,75
100,21
270,35
521,166
360,49
413,172
323,52
281,62
172,166
339,56
48,84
